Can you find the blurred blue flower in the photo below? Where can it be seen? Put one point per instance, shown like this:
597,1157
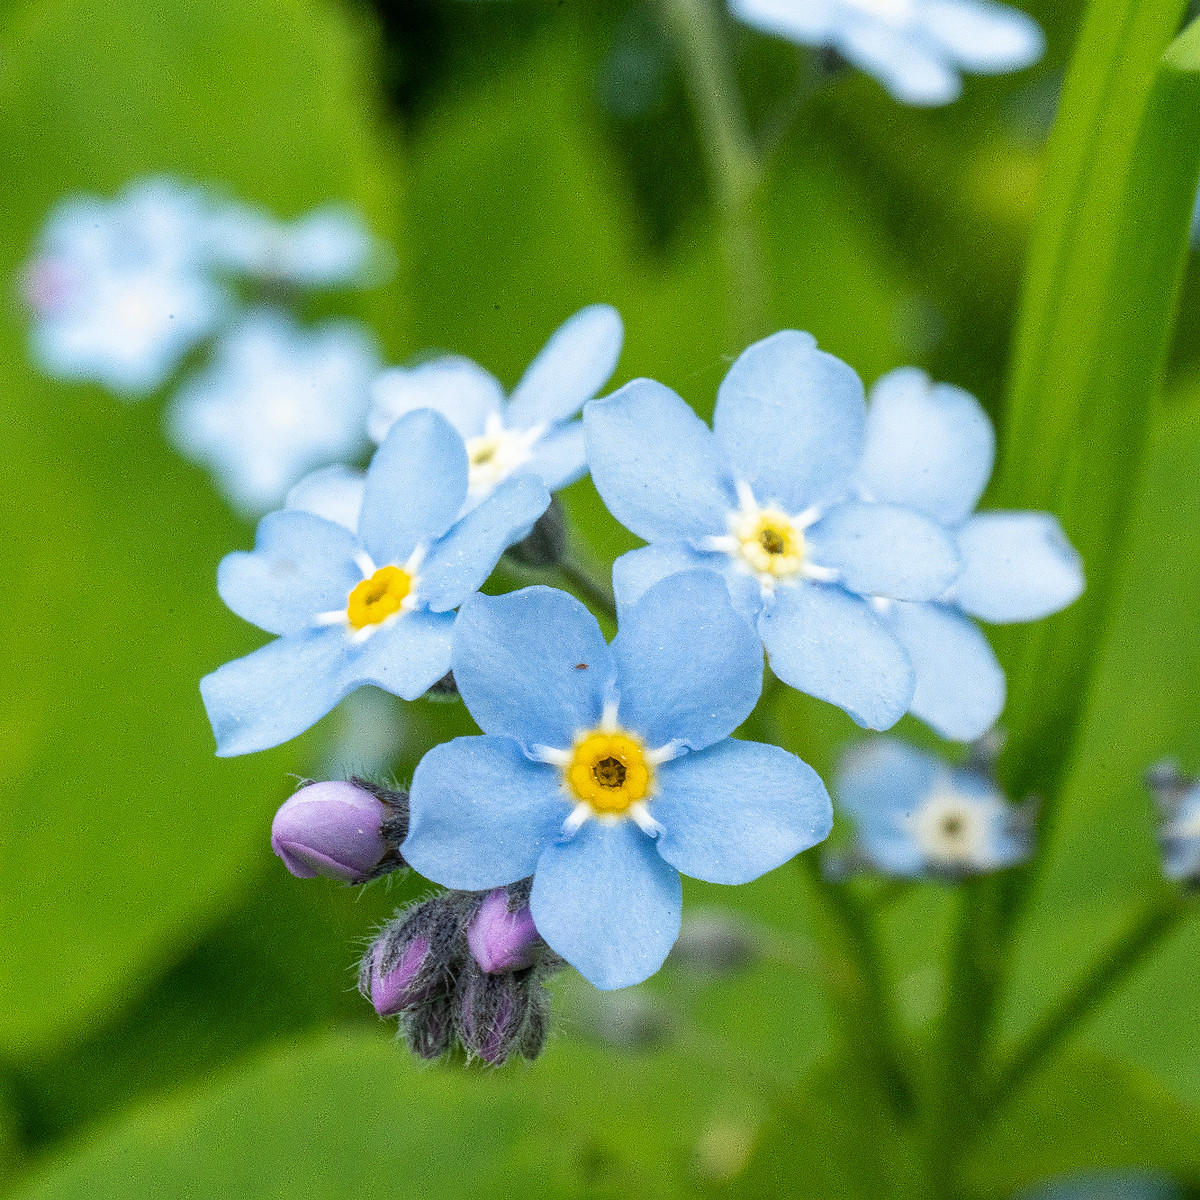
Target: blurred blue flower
917,49
534,431
604,771
1178,798
276,401
1131,1184
931,447
372,606
118,288
761,498
916,815
328,247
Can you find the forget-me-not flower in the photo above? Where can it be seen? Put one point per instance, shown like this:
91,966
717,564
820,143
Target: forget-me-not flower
916,815
918,49
534,431
335,493
761,498
370,606
119,289
276,401
931,447
328,247
605,771
1178,798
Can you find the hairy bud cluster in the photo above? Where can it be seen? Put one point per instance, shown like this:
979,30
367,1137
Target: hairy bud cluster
347,830
467,967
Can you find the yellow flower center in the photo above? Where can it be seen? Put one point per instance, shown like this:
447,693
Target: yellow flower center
770,542
379,597
608,771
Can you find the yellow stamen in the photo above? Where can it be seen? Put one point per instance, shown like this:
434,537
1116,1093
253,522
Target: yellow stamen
770,542
377,598
608,771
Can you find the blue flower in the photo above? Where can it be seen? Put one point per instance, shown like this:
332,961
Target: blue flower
119,290
916,815
605,771
335,493
931,447
276,401
1178,800
761,498
916,48
373,606
328,247
534,431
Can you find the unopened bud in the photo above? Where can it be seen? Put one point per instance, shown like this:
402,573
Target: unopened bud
490,1014
546,542
501,940
428,1029
404,984
332,829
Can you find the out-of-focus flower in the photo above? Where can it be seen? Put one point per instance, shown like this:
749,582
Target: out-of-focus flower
370,606
118,289
606,771
276,402
761,499
534,431
1178,799
328,247
931,447
916,815
335,493
918,49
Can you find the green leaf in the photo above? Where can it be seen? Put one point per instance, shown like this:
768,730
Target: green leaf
121,834
1087,1113
1102,292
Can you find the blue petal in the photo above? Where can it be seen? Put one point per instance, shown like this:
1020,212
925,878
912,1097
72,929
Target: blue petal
532,665
639,570
790,417
882,550
984,37
276,693
406,656
960,685
607,903
811,23
1017,566
880,783
460,562
335,493
461,390
913,70
481,813
571,368
301,565
689,669
823,641
416,485
656,464
737,810
559,457
929,446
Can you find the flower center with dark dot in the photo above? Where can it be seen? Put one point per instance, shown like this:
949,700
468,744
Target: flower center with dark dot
609,772
379,597
771,541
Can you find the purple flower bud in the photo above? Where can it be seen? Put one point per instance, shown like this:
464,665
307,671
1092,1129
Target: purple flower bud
491,1013
501,940
330,829
429,1028
393,991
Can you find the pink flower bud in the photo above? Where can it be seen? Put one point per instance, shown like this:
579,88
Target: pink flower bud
393,991
500,940
330,829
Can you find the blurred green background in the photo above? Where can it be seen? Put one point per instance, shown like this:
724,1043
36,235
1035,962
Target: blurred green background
177,1014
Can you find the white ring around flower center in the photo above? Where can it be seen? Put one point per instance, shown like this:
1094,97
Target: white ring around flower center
496,453
951,828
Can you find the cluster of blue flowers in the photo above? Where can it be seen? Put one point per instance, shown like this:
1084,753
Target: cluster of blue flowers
838,535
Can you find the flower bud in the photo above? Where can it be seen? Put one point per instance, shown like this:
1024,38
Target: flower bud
490,1014
331,829
546,542
402,984
429,1028
501,940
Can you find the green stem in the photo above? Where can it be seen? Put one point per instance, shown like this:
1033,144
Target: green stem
858,976
1144,934
733,163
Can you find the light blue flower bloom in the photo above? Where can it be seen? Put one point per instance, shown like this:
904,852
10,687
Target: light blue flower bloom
1179,834
931,447
276,401
916,815
328,247
335,493
605,771
118,288
372,606
534,430
761,498
917,49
